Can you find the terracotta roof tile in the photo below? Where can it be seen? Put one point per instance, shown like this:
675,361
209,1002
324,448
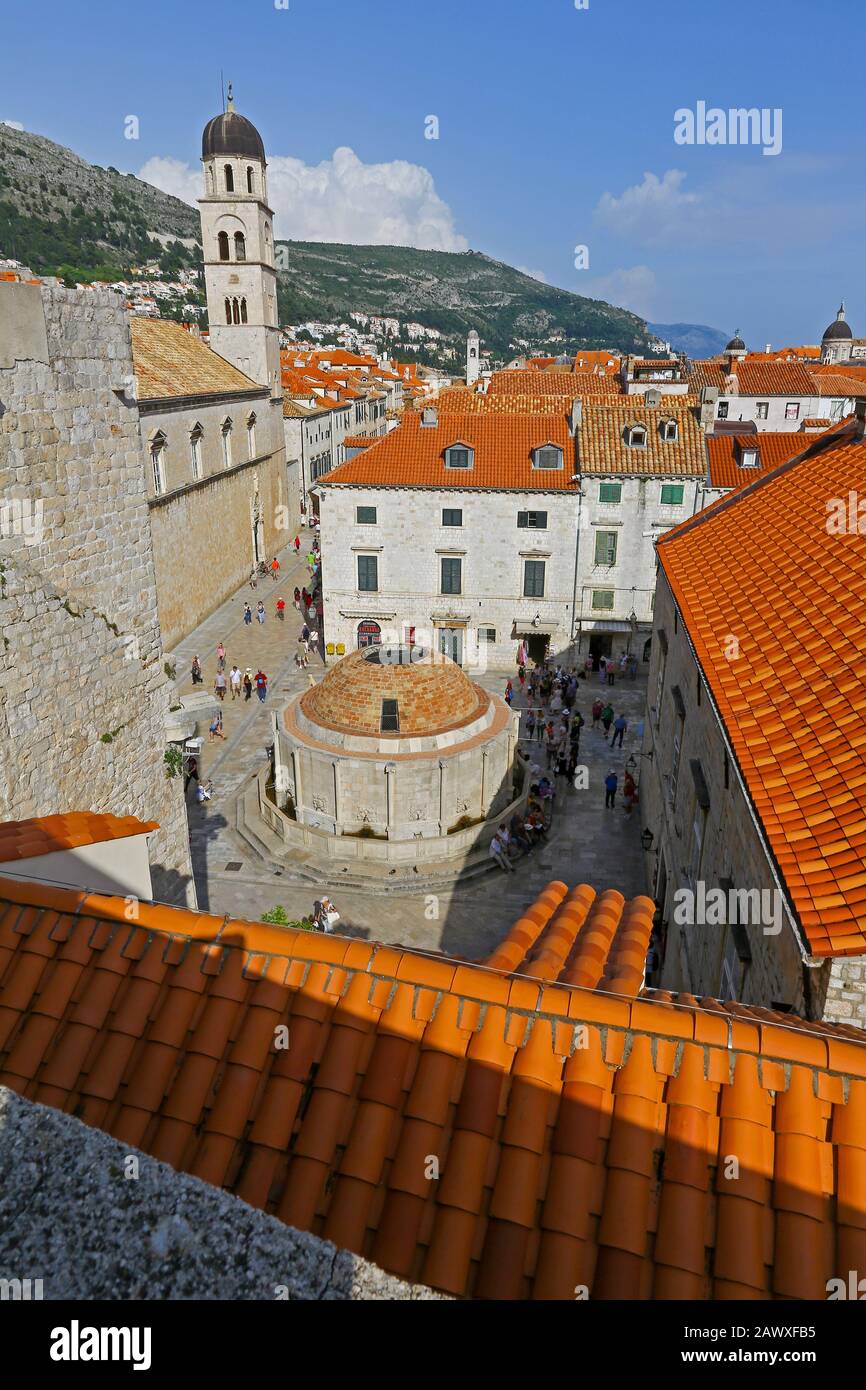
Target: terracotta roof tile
753,565
169,362
25,839
480,1142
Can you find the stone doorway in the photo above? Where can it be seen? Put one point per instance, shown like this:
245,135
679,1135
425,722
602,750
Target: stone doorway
451,643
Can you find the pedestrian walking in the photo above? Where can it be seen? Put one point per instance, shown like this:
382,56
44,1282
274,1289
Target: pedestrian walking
281,609
261,681
530,724
597,708
248,683
221,657
260,611
629,793
248,614
619,727
297,544
550,738
216,727
191,774
607,718
219,685
297,598
610,785
275,569
539,726
602,669
509,693
197,677
235,681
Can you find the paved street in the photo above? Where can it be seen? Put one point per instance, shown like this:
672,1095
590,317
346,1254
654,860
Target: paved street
587,842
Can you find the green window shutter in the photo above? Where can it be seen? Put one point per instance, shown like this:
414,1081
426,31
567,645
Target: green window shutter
605,547
672,494
610,492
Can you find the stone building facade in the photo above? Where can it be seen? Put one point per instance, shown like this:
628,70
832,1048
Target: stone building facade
83,693
219,492
708,837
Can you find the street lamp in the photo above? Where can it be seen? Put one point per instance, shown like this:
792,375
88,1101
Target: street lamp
647,838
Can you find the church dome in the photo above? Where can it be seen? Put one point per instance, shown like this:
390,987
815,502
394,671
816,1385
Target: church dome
232,134
404,692
838,328
736,344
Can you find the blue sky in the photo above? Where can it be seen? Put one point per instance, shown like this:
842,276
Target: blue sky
555,129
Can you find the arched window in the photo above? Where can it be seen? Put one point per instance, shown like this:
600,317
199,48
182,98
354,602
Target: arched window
243,311
223,242
227,443
228,311
240,247
230,179
157,462
196,435
236,314
210,178
250,184
251,435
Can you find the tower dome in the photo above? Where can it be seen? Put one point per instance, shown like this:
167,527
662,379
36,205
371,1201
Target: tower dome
838,329
736,344
231,134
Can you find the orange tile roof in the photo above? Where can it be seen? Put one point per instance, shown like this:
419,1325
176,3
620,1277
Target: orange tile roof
171,362
359,441
569,385
839,384
413,455
723,453
594,360
25,839
753,378
580,1129
764,566
602,443
846,368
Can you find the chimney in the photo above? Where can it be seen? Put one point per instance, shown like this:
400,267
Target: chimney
576,415
429,417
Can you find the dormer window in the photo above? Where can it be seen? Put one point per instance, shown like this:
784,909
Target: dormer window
635,436
459,456
548,456
748,457
669,430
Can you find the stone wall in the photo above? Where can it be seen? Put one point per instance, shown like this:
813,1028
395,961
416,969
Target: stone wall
83,693
203,537
780,971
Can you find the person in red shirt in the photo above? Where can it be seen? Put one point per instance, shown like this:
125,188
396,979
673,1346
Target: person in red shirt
297,544
281,609
275,569
261,683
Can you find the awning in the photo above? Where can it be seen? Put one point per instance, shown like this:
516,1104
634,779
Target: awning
524,629
604,625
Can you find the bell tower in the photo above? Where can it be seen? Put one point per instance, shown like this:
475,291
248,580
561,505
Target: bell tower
238,239
473,358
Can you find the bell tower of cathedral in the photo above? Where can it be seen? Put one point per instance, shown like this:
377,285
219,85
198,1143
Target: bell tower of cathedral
238,239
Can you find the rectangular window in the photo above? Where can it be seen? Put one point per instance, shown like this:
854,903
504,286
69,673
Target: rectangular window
457,457
533,579
451,575
390,717
487,634
602,598
195,453
158,473
365,516
672,494
792,410
723,411
605,547
762,409
610,492
534,521
452,516
368,574
675,763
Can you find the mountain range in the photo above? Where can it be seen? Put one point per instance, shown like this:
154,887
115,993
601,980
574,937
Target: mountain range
61,215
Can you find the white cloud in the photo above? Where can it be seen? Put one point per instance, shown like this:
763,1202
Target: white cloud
13,125
651,210
341,199
633,288
533,274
